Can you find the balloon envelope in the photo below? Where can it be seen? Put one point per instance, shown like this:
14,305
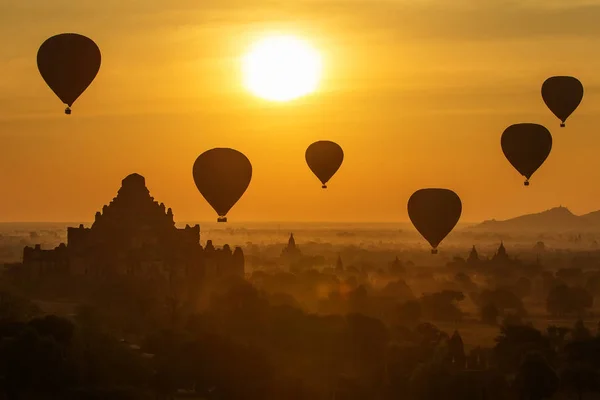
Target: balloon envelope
434,213
69,62
324,158
526,146
222,176
562,95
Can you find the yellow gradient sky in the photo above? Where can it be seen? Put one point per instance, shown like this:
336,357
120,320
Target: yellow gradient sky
417,92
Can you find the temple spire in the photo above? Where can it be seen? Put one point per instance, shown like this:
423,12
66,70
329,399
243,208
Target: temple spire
339,266
473,256
501,254
502,249
291,250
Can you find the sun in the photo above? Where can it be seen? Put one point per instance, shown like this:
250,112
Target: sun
281,68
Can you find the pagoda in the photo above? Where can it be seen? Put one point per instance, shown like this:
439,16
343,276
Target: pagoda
291,251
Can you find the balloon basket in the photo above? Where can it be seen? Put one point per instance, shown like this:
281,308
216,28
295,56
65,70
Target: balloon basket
324,187
562,125
68,111
434,251
222,219
526,183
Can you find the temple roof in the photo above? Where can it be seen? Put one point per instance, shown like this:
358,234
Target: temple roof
473,255
134,179
339,264
291,249
134,209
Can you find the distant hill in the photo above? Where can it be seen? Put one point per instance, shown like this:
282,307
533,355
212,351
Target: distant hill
558,219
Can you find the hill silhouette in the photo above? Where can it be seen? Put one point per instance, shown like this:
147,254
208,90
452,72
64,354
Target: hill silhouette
557,219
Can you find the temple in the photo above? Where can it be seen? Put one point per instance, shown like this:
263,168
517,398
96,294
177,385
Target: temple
339,265
291,251
501,255
473,256
500,259
396,267
134,235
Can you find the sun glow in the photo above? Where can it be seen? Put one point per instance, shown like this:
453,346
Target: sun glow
281,68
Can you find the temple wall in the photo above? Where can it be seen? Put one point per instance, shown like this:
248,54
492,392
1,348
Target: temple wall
64,261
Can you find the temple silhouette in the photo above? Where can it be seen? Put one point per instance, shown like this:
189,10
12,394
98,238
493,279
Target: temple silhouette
134,235
497,261
291,252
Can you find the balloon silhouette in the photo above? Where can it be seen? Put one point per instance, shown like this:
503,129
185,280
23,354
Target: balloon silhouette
222,176
562,95
526,146
68,63
434,212
324,158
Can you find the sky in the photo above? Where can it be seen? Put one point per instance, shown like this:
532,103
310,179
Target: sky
417,92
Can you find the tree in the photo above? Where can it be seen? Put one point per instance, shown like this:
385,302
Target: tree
569,274
227,370
442,306
490,314
398,290
563,300
119,393
515,341
580,378
429,381
580,332
60,329
582,299
367,340
14,308
539,247
503,299
358,300
465,281
535,379
582,362
456,352
557,336
430,336
34,364
523,287
593,284
240,309
409,312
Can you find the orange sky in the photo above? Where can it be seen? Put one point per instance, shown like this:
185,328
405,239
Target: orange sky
417,92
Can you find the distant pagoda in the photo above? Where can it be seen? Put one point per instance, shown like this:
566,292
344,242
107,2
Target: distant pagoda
291,251
473,256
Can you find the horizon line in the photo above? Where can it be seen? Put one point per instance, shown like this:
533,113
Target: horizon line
241,222
274,222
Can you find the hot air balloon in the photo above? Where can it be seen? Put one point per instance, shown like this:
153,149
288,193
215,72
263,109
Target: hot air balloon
222,176
526,146
68,62
562,95
434,212
324,158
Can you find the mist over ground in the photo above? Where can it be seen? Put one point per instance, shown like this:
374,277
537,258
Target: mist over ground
333,309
